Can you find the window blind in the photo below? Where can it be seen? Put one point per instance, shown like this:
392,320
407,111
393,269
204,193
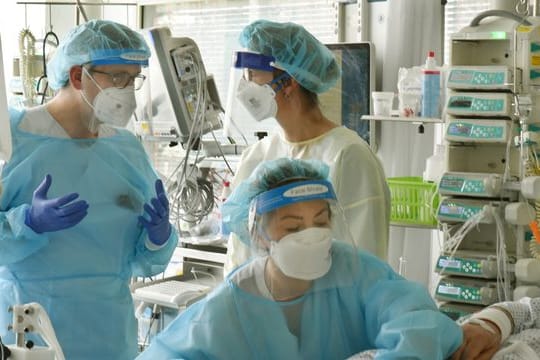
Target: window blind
216,24
458,14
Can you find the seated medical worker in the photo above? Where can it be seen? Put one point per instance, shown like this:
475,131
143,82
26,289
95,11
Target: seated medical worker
503,331
82,209
306,294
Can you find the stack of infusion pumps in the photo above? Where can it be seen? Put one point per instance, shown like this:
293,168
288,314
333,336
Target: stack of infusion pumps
489,193
479,129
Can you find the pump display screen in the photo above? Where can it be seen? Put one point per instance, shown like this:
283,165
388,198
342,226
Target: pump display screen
460,103
459,129
451,210
451,182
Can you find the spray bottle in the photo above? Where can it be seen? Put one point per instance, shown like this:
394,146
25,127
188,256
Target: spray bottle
431,87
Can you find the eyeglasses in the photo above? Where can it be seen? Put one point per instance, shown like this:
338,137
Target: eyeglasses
122,79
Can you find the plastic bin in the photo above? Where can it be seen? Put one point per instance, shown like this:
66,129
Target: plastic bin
414,201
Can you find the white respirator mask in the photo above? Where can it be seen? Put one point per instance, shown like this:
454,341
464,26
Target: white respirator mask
305,254
258,100
113,106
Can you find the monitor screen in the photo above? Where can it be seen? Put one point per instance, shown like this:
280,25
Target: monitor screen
182,96
350,98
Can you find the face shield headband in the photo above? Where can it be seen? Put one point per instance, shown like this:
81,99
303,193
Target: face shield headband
295,192
244,59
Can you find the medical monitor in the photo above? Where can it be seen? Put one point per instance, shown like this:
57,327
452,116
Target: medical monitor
183,98
350,98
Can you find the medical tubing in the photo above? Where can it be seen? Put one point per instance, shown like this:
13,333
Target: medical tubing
193,197
27,52
532,169
502,260
506,174
222,154
501,13
451,245
195,272
44,76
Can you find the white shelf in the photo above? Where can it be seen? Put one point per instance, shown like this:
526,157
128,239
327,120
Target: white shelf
413,120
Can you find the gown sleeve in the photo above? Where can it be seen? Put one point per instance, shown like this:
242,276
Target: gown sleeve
404,322
149,262
363,193
17,240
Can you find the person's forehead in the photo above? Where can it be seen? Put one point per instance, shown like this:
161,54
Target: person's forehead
259,72
118,68
302,209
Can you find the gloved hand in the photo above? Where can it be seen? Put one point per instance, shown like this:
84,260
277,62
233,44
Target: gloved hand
45,215
158,227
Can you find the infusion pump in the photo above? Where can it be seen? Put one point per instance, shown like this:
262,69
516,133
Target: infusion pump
480,104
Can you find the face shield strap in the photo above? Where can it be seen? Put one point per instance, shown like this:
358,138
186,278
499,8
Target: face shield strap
293,193
279,81
244,59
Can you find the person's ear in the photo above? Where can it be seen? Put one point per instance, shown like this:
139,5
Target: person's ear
75,76
289,87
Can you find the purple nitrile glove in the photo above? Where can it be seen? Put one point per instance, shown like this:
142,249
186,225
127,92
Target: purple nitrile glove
158,227
46,215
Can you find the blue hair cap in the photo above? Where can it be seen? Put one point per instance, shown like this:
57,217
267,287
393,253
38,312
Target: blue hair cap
296,51
267,175
99,42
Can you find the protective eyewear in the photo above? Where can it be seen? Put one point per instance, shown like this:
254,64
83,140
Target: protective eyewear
122,79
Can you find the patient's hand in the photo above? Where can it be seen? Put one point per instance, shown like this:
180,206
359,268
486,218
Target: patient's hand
478,343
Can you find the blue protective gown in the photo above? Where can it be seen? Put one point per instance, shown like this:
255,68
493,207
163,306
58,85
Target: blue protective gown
377,310
79,275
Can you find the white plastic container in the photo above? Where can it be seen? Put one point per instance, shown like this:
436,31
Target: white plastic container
382,102
431,88
435,165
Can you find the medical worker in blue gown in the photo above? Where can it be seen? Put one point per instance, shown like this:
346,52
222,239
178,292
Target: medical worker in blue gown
306,295
82,209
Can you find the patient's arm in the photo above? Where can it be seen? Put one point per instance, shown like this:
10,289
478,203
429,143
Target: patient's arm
480,342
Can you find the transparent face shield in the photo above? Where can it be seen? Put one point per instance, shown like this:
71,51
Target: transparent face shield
300,242
141,121
251,94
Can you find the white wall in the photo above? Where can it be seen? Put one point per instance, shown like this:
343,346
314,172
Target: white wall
402,149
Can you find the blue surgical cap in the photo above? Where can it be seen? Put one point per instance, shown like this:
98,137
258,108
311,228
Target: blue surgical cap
100,42
296,51
266,176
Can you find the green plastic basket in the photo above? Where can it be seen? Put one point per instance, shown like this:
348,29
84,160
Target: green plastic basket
414,201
